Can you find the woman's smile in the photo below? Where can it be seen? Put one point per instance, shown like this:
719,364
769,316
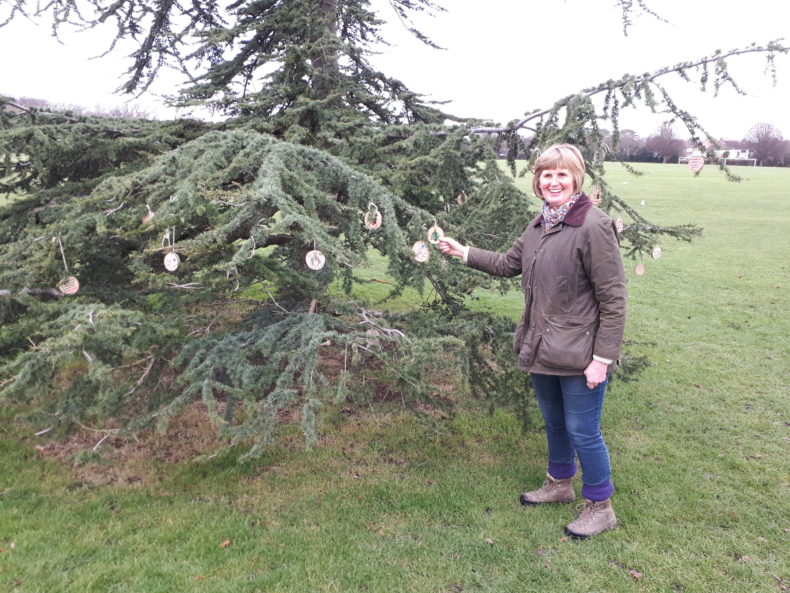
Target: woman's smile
556,186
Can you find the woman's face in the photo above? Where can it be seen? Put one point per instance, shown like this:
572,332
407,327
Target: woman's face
556,186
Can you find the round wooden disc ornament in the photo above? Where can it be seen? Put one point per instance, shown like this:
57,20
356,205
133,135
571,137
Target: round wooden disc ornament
656,252
618,224
421,251
435,234
315,260
372,220
172,261
70,286
640,269
696,163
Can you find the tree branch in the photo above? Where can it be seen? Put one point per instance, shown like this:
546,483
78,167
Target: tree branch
34,292
632,81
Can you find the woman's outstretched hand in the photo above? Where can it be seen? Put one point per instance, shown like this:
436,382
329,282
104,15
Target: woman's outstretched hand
450,246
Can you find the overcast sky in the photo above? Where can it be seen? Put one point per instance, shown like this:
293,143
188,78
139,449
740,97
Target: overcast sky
502,58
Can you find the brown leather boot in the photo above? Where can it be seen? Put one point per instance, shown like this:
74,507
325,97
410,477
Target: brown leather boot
553,490
595,518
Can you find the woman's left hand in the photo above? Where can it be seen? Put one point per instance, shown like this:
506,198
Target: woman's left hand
595,373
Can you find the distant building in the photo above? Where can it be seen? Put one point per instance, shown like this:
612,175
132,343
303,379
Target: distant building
725,155
733,154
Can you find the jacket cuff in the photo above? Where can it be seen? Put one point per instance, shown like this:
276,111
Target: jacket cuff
602,359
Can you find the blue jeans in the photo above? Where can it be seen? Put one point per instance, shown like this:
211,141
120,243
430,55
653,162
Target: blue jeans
572,414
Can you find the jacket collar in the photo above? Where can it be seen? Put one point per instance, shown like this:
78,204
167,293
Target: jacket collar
576,215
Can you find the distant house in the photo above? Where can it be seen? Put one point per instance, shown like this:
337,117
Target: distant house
726,155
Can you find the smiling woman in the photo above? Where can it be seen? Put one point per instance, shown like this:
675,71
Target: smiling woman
570,333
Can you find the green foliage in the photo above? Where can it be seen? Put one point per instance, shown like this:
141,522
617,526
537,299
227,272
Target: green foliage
242,322
489,361
241,209
43,149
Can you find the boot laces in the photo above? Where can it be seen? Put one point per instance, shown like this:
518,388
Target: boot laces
588,508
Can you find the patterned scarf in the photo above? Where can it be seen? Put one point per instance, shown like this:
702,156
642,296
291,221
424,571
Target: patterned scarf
552,216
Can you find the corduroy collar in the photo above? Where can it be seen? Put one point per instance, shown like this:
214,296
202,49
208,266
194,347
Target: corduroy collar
575,216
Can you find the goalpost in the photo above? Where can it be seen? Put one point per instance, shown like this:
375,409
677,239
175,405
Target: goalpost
754,161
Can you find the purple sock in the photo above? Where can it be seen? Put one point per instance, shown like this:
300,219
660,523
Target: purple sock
599,492
561,471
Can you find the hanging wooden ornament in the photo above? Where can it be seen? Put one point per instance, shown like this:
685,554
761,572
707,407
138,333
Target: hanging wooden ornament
421,251
70,286
435,234
640,269
696,163
315,260
618,224
656,252
595,194
149,216
172,261
372,217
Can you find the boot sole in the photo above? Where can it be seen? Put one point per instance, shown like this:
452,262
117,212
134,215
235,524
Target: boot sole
575,535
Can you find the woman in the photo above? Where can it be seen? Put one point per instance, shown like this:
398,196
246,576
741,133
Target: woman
569,337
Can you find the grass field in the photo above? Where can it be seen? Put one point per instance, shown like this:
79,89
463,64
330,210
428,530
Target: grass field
389,502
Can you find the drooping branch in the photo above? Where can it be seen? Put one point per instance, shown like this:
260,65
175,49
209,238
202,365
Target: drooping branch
632,87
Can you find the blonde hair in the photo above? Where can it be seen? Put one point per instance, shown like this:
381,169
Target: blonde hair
560,156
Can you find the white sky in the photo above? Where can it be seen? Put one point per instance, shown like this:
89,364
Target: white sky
502,59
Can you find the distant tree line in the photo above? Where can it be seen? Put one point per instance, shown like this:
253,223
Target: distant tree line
764,141
125,111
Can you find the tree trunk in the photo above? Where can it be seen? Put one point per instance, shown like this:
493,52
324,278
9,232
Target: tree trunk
324,58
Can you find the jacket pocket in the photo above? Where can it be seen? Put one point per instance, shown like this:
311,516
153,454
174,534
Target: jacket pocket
567,342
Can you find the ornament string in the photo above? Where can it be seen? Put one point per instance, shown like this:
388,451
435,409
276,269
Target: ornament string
166,238
63,255
71,284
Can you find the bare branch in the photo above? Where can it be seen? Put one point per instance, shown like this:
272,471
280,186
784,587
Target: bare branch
34,292
143,377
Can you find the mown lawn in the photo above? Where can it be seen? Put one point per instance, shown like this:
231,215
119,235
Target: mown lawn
389,502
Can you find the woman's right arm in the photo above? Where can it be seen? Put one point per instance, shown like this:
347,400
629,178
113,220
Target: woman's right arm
498,264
